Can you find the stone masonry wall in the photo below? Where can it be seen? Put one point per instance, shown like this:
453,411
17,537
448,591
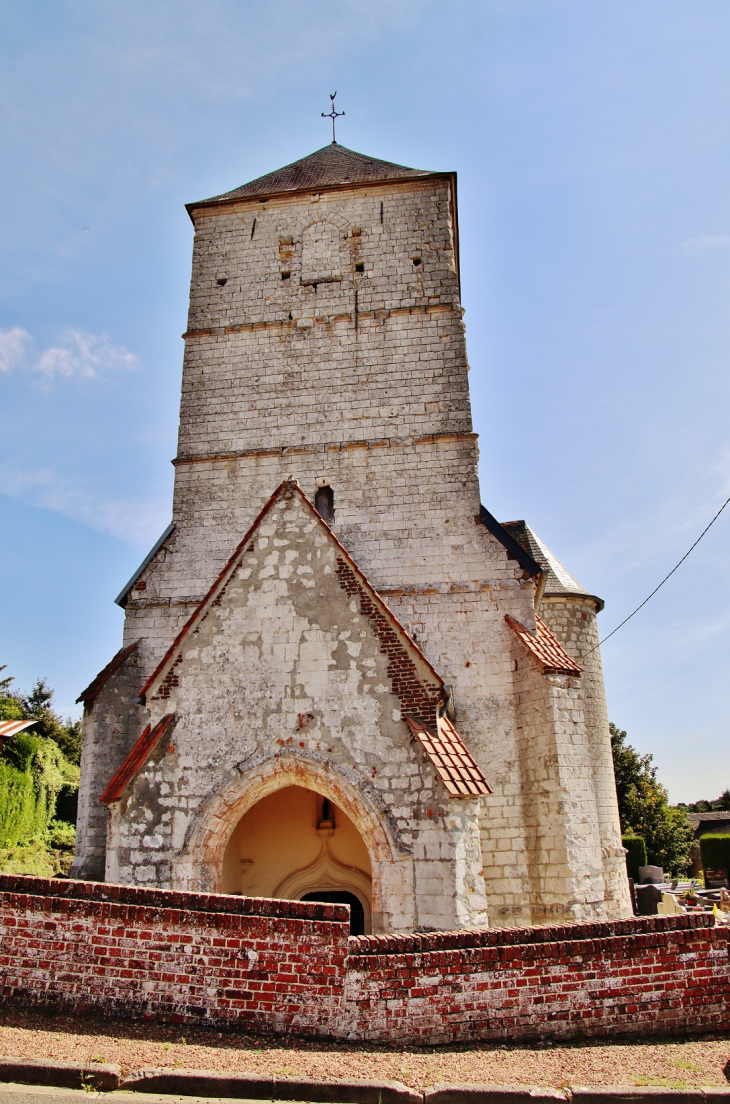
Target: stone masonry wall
563,846
287,967
111,725
573,621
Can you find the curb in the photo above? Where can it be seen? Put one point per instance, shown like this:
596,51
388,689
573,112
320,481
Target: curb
102,1076
473,1093
105,1077
596,1094
249,1086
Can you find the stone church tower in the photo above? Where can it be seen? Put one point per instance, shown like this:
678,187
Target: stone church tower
341,677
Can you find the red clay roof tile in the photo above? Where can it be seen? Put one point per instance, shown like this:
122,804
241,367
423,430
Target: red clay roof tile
451,759
545,648
135,760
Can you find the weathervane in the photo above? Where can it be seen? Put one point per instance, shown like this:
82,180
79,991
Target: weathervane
332,115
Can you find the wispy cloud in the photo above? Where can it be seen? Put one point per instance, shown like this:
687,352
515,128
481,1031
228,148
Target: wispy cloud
706,241
81,356
13,347
77,356
137,522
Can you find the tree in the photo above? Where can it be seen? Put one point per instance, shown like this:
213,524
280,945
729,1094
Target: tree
67,734
644,807
721,804
38,705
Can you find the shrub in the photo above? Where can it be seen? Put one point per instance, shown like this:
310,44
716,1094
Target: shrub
715,851
636,856
33,772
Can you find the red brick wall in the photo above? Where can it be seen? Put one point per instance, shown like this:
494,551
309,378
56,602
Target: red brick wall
181,957
656,975
282,966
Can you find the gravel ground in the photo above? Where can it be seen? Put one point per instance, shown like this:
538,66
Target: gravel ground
673,1064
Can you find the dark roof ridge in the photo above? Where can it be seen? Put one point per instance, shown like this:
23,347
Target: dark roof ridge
121,598
514,550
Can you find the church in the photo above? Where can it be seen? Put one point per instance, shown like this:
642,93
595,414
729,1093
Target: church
341,678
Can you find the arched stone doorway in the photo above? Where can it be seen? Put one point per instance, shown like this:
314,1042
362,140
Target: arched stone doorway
297,844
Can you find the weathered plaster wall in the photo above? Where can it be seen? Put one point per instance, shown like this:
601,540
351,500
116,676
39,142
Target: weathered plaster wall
285,659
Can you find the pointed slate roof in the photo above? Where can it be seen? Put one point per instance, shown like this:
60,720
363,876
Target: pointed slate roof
328,167
559,581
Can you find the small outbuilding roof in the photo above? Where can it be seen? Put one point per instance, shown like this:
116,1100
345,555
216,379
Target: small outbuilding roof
325,168
9,728
715,821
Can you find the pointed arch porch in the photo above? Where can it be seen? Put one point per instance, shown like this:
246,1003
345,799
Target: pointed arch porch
199,863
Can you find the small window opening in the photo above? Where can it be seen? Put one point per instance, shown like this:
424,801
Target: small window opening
286,275
381,213
416,261
324,503
221,281
359,268
253,229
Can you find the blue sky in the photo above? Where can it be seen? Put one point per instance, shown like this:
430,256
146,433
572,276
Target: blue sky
592,145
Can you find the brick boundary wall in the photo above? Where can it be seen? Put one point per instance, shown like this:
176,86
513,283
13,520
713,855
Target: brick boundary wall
288,967
269,966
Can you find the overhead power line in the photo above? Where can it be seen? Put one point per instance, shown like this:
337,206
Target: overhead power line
661,584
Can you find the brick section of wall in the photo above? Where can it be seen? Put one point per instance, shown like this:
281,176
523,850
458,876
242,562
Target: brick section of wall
415,696
282,966
665,975
179,957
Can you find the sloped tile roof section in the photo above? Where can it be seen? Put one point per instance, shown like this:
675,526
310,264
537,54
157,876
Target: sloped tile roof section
135,760
545,648
10,728
173,656
715,821
121,598
514,548
87,696
558,580
328,167
450,758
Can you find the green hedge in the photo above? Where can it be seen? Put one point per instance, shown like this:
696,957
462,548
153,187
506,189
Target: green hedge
33,773
636,856
715,851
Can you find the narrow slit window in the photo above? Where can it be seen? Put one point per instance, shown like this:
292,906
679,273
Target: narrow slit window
324,503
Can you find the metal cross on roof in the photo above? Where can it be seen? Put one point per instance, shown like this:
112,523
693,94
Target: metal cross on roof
332,115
